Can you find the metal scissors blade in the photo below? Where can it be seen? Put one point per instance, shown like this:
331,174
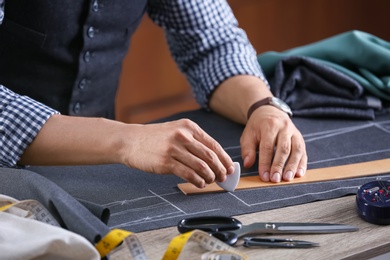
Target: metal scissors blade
231,237
293,228
278,242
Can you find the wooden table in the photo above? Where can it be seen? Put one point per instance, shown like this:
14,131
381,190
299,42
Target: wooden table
370,241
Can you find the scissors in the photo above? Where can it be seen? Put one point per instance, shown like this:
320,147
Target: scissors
229,229
277,242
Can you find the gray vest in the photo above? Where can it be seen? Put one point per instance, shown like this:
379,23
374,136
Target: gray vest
67,54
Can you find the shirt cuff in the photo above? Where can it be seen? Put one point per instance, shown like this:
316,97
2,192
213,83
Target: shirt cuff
21,118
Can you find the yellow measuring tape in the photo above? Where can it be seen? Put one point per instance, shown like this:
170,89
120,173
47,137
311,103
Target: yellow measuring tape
35,210
111,241
125,244
31,209
216,248
130,242
4,208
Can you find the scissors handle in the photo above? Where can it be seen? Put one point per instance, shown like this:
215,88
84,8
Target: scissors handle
210,224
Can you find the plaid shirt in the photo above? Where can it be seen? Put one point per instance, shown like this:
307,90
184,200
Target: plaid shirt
1,11
206,42
21,118
204,39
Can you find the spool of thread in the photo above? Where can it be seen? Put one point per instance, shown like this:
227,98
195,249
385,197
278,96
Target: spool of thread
373,202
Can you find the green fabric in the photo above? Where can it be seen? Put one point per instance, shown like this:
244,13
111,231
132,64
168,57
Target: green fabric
359,55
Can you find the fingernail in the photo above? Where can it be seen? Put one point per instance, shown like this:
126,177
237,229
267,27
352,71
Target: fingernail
301,172
265,176
246,160
230,170
276,177
288,176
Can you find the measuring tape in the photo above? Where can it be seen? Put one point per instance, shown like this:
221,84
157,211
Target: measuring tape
30,209
124,244
217,249
131,246
35,210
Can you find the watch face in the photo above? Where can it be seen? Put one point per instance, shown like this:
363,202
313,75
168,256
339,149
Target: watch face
282,105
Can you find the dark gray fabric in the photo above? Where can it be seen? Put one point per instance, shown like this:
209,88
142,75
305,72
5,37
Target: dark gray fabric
359,55
100,212
67,54
140,201
23,184
313,89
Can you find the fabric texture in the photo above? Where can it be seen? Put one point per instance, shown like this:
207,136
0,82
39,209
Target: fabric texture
359,55
42,241
69,213
313,89
25,238
140,201
67,54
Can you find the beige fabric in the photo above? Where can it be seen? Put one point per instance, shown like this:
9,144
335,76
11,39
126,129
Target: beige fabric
24,238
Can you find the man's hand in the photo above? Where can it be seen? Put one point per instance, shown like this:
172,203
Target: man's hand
282,152
181,148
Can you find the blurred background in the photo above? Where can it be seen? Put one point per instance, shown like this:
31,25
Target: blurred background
152,87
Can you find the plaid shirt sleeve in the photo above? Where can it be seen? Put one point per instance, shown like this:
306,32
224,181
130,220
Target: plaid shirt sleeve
206,42
1,11
21,118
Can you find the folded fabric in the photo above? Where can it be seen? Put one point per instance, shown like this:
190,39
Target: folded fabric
69,213
99,211
312,89
26,238
359,55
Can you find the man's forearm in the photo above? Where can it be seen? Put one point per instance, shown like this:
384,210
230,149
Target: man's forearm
235,95
65,140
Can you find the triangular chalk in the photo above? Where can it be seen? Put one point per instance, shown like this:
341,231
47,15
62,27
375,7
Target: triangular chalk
232,180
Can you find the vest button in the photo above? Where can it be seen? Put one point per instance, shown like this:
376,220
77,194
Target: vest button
87,56
82,84
91,32
95,6
77,108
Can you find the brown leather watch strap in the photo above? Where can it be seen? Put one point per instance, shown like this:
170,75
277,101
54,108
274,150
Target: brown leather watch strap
258,104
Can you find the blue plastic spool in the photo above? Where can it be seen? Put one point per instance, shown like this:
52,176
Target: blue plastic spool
373,202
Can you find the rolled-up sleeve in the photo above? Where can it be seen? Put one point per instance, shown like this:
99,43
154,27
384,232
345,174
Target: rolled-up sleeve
206,42
21,118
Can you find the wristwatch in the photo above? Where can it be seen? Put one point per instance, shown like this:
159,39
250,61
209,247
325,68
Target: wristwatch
273,101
